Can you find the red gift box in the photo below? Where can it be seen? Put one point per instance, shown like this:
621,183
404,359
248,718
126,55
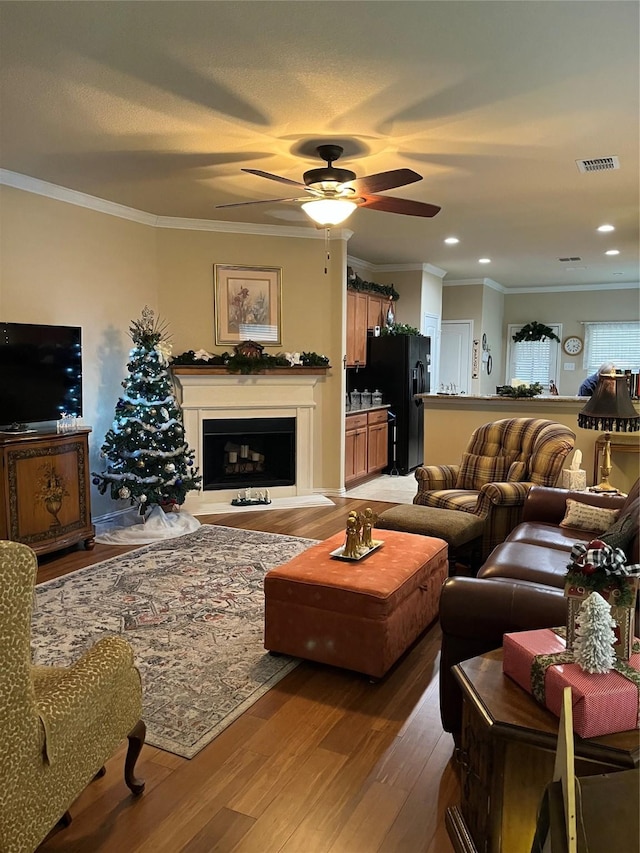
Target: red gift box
602,703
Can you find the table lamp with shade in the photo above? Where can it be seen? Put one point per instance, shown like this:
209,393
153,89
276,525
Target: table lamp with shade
609,410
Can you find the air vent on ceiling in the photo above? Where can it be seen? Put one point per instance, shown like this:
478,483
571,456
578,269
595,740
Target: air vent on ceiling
598,164
564,260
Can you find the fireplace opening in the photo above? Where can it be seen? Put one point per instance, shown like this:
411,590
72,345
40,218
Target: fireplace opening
241,453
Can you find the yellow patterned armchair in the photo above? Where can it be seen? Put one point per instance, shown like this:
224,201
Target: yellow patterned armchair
58,725
500,464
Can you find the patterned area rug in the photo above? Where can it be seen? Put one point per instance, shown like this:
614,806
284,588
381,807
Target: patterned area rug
193,610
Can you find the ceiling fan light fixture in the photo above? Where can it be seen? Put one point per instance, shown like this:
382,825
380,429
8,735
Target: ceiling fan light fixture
329,211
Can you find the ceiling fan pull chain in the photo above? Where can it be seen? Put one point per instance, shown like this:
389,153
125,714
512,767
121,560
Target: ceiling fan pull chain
327,248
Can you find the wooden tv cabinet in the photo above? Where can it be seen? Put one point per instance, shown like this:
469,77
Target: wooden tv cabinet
44,489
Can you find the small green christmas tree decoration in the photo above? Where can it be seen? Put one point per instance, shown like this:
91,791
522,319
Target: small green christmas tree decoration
593,645
149,461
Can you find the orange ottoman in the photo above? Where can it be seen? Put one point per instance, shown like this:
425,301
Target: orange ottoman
360,615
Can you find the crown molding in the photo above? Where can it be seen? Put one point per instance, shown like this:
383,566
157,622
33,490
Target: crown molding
100,205
53,191
572,288
415,267
112,208
485,282
180,224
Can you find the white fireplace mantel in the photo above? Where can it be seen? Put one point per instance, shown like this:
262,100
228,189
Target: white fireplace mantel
215,395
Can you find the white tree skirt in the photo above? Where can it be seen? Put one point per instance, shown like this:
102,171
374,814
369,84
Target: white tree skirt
157,525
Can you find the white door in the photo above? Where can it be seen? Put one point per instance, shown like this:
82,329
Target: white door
455,356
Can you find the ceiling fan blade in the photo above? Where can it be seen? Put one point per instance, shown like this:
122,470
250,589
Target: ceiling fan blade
389,204
271,177
262,201
385,181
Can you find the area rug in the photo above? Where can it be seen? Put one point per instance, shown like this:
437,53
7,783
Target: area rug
193,610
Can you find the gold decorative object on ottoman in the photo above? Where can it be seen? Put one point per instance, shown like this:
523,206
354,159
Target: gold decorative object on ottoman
360,615
462,531
358,537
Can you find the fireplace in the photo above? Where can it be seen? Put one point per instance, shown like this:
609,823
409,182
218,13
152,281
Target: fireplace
248,452
209,395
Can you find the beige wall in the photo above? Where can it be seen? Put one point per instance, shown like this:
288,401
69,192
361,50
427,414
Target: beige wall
313,306
408,283
492,325
569,309
65,264
431,295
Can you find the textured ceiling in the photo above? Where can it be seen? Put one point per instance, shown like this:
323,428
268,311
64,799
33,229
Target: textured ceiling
158,105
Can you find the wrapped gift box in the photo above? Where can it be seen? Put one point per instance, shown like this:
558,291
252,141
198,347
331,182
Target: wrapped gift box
602,704
624,616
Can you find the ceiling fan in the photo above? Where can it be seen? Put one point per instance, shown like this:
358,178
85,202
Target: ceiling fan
333,194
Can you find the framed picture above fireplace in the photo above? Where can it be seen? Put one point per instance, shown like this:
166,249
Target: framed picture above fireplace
247,304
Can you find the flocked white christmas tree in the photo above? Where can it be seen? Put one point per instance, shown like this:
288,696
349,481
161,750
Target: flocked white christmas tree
149,461
593,644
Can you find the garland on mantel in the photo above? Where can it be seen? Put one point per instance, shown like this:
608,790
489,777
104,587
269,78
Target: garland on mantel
239,363
354,282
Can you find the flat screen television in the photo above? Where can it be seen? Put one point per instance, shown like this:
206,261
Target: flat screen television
40,373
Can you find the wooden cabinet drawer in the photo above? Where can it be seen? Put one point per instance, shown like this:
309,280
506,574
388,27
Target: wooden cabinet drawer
377,417
356,421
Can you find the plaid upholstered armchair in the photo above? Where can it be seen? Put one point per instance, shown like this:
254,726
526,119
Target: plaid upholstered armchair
500,464
58,725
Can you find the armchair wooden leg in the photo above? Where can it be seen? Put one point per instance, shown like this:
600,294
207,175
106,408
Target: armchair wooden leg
136,741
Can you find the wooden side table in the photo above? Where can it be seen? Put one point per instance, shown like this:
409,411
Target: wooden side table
507,755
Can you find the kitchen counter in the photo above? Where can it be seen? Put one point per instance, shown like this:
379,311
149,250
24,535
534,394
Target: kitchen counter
548,398
367,409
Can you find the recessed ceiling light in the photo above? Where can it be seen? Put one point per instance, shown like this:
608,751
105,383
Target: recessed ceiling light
606,228
484,260
451,240
612,252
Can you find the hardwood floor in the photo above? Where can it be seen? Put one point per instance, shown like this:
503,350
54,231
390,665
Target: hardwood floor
325,762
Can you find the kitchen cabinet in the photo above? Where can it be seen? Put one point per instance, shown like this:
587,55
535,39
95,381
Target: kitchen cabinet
44,490
366,444
376,311
355,447
377,441
357,317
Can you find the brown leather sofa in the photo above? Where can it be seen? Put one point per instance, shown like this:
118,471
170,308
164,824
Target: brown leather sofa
519,587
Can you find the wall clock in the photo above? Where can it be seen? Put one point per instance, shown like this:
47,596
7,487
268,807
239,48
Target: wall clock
572,345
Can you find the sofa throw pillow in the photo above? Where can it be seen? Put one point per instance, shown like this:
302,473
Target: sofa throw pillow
625,529
517,472
476,470
587,517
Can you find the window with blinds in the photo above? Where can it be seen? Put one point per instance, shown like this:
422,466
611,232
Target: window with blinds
616,342
533,361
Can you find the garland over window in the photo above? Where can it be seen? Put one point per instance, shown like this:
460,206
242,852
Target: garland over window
535,332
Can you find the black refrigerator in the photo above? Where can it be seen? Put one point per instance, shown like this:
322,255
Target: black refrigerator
399,365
